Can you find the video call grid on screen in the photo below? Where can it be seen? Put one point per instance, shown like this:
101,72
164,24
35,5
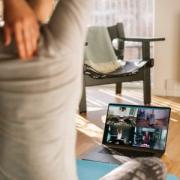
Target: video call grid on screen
137,126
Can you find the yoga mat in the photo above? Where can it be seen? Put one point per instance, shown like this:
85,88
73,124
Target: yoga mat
92,170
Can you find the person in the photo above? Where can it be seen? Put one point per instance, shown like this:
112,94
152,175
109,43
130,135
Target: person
39,98
119,133
146,138
152,119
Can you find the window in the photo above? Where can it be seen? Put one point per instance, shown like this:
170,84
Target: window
136,15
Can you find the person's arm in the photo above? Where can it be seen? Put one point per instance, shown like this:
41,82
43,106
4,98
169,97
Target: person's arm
22,25
42,9
21,22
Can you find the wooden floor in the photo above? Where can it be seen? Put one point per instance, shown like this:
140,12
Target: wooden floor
90,126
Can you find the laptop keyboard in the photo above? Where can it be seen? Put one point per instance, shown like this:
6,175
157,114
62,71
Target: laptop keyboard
126,152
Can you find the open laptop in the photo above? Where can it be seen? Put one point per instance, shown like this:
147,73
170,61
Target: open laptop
133,131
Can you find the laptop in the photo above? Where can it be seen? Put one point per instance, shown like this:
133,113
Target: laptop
132,131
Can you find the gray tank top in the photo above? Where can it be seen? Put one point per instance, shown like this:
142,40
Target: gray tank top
39,99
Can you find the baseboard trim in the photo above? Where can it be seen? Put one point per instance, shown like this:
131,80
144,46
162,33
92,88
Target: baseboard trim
166,92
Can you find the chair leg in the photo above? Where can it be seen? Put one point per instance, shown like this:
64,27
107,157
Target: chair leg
147,87
118,88
82,106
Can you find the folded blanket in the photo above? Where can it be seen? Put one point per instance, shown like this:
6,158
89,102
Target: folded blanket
99,53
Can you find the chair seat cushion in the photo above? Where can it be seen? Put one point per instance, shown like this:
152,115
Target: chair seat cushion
130,67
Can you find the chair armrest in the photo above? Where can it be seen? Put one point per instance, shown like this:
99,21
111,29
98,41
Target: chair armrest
141,39
145,45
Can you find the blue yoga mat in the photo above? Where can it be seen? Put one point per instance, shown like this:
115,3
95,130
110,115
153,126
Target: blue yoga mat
92,170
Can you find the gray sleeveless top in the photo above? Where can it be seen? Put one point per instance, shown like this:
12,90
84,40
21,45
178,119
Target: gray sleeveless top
39,98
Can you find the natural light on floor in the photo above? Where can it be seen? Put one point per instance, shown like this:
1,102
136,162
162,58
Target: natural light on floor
105,95
88,128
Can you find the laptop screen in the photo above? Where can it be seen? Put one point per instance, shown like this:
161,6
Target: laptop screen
137,126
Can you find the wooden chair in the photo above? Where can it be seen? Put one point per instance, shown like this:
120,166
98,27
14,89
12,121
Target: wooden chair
128,73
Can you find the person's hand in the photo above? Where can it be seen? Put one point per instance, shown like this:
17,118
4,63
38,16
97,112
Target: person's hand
21,23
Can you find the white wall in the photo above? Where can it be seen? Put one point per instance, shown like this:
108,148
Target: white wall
167,54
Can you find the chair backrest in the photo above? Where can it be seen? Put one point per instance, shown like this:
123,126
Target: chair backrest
115,32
